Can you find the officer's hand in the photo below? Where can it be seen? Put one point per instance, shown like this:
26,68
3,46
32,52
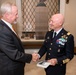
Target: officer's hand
35,57
53,61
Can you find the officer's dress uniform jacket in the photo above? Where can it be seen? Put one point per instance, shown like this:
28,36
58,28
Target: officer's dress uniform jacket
61,47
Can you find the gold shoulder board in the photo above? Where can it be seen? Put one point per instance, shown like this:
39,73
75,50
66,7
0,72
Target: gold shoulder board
68,33
66,61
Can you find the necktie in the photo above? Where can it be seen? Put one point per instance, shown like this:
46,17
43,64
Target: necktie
14,30
54,34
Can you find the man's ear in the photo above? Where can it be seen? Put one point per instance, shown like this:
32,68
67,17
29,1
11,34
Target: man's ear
7,15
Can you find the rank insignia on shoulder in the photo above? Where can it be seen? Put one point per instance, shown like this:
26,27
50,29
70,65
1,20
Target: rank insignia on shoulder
68,33
66,61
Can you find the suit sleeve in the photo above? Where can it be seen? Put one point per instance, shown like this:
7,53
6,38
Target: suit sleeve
69,50
8,48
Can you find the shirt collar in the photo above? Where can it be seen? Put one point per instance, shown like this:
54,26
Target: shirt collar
8,24
58,31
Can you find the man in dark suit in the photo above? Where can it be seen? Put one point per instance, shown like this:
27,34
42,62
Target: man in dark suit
59,47
12,55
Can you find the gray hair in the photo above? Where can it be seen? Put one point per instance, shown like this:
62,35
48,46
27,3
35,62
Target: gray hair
6,7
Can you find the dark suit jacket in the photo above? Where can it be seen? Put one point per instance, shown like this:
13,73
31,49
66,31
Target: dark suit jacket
61,47
12,56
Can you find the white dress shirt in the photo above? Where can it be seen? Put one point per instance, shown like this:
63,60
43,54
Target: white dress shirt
57,32
9,25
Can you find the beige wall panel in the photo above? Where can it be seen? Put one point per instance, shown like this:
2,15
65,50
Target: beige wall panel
41,21
70,18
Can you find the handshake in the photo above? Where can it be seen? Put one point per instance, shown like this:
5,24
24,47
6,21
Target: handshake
35,57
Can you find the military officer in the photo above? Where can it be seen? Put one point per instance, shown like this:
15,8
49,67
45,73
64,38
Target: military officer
59,47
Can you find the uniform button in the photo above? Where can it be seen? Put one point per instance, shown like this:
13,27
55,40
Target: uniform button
49,53
58,50
47,37
59,45
51,43
49,48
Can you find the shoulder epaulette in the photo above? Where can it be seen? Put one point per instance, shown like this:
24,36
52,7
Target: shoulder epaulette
68,33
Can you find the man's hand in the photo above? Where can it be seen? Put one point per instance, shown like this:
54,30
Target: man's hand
35,57
53,61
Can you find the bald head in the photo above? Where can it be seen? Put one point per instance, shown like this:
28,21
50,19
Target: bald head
56,21
59,18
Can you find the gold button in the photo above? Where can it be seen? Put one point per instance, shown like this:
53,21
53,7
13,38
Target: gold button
58,50
59,45
51,43
47,37
49,48
49,53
